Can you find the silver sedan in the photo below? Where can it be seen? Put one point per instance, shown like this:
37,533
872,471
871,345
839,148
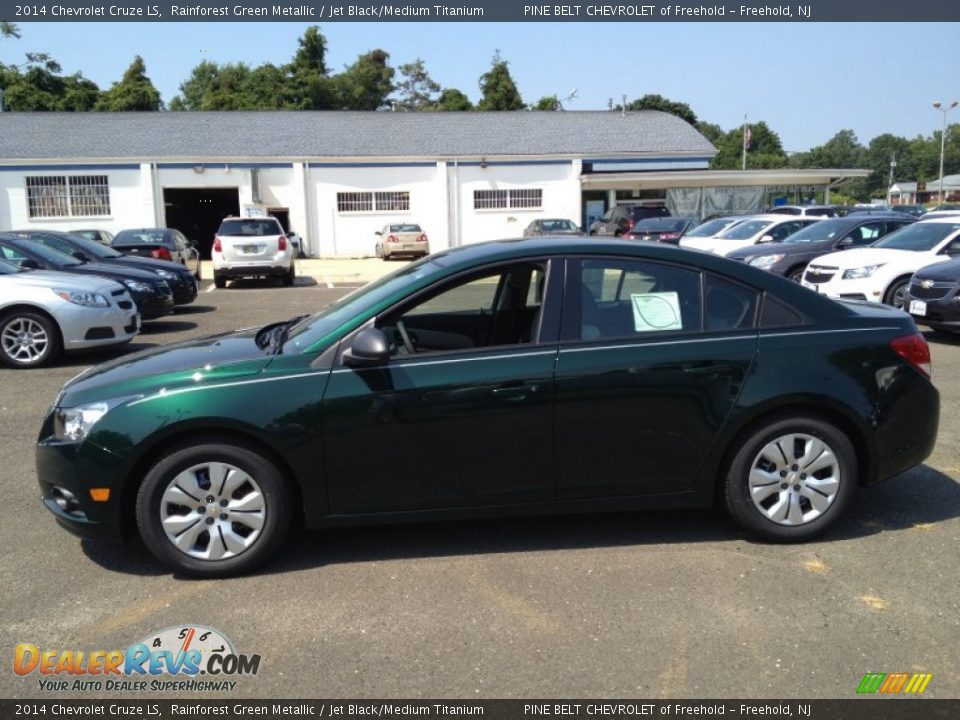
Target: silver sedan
43,314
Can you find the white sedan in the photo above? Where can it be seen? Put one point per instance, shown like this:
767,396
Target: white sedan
45,313
757,229
882,271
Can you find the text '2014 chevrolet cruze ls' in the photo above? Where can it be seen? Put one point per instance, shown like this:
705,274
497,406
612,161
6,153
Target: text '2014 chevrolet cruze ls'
542,375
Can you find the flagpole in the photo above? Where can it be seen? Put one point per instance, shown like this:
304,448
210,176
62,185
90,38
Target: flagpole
744,142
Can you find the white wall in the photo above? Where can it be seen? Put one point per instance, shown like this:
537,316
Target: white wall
352,234
127,205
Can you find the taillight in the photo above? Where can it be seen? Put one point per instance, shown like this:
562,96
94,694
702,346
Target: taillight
217,247
669,236
161,254
630,223
914,349
393,238
282,242
422,238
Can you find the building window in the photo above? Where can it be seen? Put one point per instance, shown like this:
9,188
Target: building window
71,196
503,199
388,201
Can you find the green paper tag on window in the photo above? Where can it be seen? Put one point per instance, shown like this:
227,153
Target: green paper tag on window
657,311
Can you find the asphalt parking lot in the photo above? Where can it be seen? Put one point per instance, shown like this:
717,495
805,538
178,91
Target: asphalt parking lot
643,605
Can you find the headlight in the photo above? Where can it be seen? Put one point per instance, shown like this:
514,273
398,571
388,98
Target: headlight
73,424
861,272
166,274
765,262
82,297
138,286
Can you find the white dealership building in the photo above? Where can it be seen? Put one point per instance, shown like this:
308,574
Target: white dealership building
337,177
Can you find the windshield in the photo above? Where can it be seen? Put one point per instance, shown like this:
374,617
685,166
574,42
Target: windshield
93,248
745,230
558,226
408,227
712,227
251,227
819,231
919,237
139,237
660,225
316,327
51,256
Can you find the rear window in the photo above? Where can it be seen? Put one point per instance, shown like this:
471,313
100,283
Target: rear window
646,211
405,227
252,227
745,230
140,237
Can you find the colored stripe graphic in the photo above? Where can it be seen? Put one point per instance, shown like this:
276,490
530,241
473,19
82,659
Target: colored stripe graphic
871,682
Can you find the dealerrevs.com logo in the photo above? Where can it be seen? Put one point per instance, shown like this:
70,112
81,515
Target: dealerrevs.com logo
173,659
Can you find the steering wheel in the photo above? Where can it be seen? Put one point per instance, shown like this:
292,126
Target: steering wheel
405,336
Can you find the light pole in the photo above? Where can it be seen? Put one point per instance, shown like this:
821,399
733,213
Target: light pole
943,136
893,166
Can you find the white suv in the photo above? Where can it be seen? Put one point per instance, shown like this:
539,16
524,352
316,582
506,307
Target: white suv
252,247
881,272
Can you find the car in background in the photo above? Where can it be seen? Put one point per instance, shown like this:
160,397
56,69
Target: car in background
804,210
933,296
713,226
551,226
753,230
942,211
43,314
790,257
751,391
152,294
912,210
160,244
252,247
620,219
881,272
661,229
104,237
179,278
397,239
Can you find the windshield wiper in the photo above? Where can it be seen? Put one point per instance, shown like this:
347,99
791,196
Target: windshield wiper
279,335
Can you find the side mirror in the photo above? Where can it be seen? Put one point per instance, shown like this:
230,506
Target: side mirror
29,264
845,243
368,348
766,239
80,255
378,233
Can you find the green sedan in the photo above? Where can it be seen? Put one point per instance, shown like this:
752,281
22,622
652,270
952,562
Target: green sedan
524,376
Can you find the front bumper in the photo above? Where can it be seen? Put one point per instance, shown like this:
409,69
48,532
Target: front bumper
836,287
153,305
93,328
184,290
937,306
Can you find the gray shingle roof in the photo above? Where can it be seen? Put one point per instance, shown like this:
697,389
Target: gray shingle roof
272,134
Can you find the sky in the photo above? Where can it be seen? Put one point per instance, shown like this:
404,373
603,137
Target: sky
807,81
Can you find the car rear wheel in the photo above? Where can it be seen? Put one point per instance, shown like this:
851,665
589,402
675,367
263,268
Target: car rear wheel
896,294
791,479
219,280
290,276
28,339
213,509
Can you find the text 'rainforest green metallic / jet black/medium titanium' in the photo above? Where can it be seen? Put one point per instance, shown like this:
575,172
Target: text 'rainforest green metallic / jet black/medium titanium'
513,377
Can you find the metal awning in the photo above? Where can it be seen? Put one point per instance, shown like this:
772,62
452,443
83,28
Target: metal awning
663,179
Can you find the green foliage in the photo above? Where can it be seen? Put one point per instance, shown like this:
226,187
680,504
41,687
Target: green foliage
308,84
40,87
765,151
658,102
135,91
8,29
453,100
547,103
365,85
499,91
417,90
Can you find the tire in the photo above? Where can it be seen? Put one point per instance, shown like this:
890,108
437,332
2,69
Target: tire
896,293
290,276
796,274
198,273
242,540
378,250
28,339
822,495
219,280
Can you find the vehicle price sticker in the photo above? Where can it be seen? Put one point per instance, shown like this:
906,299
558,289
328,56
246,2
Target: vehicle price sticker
656,311
918,307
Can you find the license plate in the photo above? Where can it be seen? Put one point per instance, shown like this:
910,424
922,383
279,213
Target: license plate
918,307
249,249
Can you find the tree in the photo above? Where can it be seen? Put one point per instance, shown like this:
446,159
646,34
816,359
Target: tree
366,84
453,100
765,151
310,85
8,29
499,91
658,102
417,90
547,103
135,91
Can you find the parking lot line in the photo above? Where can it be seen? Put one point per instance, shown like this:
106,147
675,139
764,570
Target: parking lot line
211,288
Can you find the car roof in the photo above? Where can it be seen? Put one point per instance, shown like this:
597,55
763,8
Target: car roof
953,219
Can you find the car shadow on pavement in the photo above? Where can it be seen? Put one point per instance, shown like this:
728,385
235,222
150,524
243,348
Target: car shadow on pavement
939,337
194,309
245,283
153,327
919,498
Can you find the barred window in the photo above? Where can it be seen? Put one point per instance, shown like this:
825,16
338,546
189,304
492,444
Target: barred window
395,200
72,196
354,202
386,201
502,199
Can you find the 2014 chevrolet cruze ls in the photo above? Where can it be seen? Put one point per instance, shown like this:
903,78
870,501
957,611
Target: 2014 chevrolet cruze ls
542,375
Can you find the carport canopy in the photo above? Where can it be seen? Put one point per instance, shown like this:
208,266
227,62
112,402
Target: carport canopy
665,179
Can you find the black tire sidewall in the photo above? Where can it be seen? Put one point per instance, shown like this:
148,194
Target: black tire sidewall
53,333
277,498
736,484
891,293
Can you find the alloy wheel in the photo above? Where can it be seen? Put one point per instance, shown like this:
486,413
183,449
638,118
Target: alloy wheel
24,340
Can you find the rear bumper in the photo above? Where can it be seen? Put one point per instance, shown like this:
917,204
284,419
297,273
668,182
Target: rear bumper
253,270
907,432
414,248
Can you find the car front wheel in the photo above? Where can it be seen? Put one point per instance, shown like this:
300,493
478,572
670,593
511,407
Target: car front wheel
213,509
28,339
897,293
791,479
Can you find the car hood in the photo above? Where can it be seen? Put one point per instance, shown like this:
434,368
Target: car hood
781,248
114,270
67,281
213,359
714,245
941,272
145,263
874,256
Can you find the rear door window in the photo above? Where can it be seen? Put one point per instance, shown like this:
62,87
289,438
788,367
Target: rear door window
729,306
